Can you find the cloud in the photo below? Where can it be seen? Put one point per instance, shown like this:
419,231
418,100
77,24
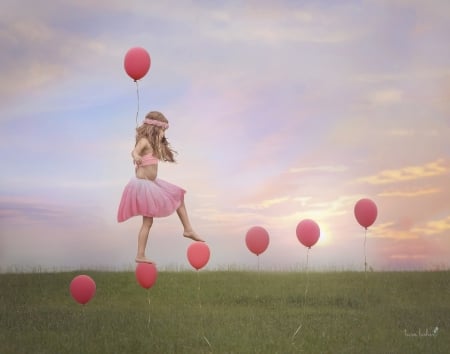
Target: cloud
323,209
401,132
386,96
398,231
264,22
29,212
411,193
314,30
47,50
376,78
390,230
264,204
65,184
406,256
435,168
410,253
434,227
24,65
414,132
324,168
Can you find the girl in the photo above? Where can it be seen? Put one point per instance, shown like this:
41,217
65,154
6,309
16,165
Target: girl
146,194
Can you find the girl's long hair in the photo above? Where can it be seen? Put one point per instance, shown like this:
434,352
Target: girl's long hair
161,148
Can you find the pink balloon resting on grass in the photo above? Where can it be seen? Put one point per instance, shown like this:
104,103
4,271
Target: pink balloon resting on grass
198,254
137,63
82,288
257,239
365,212
146,274
308,232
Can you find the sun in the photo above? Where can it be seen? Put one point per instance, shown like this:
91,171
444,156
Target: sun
324,236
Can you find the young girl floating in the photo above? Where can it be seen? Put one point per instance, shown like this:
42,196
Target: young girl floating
146,194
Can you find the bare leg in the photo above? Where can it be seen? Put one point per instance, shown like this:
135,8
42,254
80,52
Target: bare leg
142,240
188,231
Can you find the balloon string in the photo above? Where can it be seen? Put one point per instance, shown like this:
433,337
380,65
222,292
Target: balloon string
307,275
137,94
365,257
365,265
306,293
149,308
200,311
85,327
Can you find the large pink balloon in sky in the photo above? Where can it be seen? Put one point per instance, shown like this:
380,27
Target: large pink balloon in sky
365,212
308,232
257,240
137,63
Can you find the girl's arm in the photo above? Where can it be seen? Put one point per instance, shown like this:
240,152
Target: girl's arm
141,145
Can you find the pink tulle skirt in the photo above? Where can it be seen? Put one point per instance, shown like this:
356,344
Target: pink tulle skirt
156,198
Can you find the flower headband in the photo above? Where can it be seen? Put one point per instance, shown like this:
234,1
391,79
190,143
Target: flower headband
156,122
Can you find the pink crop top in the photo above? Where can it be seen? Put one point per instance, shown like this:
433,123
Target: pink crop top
148,160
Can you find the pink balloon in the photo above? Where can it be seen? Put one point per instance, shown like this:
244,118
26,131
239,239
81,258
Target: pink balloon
308,232
82,288
137,63
257,240
146,274
198,254
365,212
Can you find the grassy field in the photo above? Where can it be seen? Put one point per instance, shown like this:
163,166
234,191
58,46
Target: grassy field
228,312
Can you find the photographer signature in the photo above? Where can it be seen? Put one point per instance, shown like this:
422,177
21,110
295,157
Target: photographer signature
427,333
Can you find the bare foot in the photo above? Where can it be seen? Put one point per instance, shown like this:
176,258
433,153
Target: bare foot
193,236
143,260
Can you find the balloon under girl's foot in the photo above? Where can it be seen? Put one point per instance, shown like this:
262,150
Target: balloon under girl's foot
143,260
193,236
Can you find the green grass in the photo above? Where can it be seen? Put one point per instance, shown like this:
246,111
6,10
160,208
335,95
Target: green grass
236,312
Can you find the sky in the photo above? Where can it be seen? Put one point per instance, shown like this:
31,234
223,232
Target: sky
279,111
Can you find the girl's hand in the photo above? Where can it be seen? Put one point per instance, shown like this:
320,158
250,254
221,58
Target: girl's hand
137,161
